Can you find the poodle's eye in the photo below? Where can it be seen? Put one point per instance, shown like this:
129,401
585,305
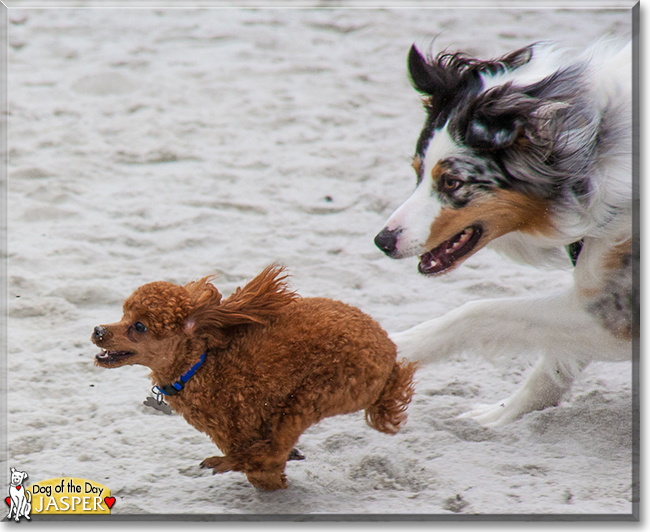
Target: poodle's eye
449,184
139,327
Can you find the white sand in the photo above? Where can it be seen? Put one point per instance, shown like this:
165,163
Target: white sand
170,144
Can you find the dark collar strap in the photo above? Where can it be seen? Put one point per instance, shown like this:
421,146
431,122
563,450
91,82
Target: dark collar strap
173,389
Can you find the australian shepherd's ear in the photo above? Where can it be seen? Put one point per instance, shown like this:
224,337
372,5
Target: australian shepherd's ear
449,78
258,302
436,80
502,115
442,79
497,118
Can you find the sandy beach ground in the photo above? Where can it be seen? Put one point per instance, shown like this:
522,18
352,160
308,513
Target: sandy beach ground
169,144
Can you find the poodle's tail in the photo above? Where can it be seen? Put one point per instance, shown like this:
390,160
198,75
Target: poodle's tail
388,413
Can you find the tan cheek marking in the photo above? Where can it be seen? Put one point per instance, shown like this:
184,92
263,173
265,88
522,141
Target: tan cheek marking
615,259
437,171
589,292
503,213
417,164
624,332
522,213
611,261
448,223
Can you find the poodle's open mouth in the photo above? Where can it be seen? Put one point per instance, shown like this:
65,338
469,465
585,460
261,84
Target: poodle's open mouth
110,358
444,256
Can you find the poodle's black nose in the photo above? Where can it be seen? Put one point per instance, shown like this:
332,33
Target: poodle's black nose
99,333
386,240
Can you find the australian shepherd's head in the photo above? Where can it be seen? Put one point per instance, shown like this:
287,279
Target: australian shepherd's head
508,148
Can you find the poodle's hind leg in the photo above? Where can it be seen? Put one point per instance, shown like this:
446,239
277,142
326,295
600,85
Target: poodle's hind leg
263,466
265,460
269,457
222,464
268,480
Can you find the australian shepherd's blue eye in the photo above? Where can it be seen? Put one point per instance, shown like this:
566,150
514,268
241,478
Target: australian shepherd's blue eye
140,327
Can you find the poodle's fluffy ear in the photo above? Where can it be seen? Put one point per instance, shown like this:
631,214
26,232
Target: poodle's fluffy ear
205,300
258,302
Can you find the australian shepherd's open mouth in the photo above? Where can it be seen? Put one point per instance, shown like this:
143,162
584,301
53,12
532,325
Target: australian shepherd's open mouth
446,255
110,358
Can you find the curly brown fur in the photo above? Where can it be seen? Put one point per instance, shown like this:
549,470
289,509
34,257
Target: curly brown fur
389,412
276,364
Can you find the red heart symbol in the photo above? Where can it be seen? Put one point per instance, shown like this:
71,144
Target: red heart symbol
110,501
18,487
8,501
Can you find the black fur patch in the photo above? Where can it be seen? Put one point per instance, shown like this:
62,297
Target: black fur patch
449,79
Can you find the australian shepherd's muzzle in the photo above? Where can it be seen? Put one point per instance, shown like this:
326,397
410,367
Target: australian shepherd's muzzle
532,155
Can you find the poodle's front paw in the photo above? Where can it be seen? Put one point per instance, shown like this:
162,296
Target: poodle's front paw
218,464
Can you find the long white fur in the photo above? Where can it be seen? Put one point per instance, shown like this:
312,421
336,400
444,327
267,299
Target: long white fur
419,207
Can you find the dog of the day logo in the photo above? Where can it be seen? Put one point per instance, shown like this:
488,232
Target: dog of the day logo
19,500
58,496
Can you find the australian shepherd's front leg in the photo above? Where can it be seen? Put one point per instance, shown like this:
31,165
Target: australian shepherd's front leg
559,327
591,321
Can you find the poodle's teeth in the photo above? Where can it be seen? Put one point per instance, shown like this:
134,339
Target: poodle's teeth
103,354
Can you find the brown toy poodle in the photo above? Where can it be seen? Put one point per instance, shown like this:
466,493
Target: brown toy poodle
256,370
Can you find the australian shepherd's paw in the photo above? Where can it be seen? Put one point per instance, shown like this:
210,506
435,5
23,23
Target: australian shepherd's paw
495,415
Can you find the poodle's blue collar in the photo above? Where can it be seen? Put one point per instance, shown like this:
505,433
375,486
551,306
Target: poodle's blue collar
173,389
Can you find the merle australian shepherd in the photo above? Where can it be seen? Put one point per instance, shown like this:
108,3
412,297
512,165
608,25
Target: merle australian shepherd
532,155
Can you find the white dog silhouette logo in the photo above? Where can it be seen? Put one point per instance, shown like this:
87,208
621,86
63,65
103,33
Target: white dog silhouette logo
21,500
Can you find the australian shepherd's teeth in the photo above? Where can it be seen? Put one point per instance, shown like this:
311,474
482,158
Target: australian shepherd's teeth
530,154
